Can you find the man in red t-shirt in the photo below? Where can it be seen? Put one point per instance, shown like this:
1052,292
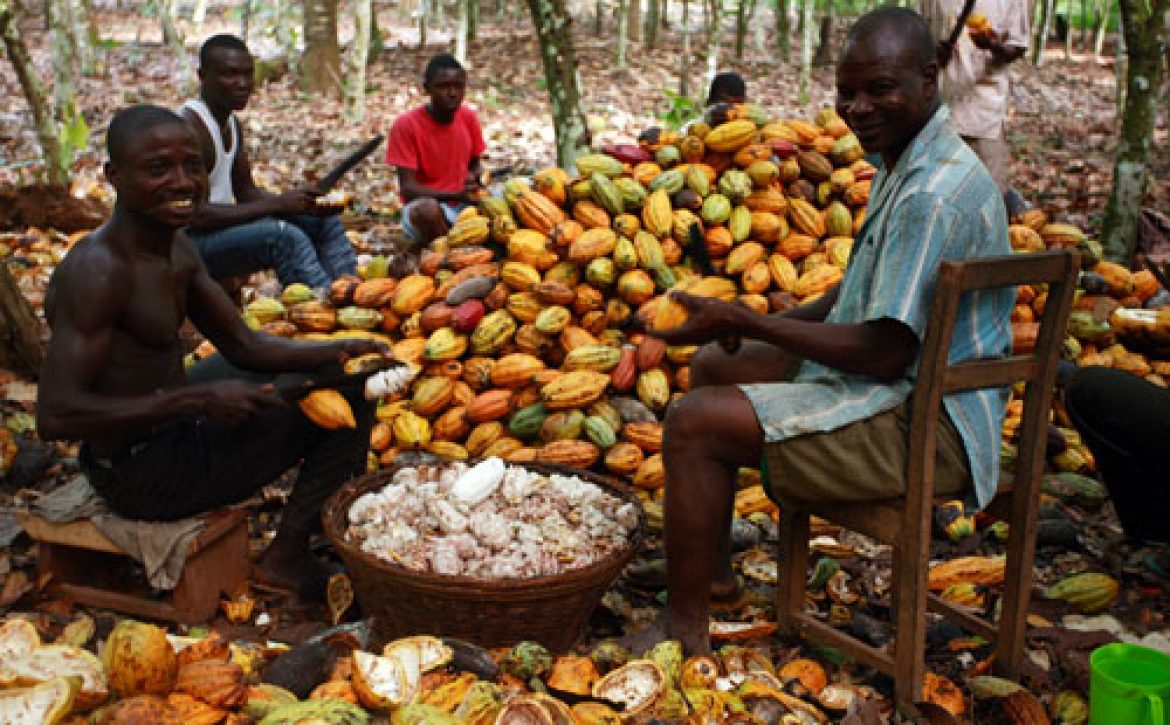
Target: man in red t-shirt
436,149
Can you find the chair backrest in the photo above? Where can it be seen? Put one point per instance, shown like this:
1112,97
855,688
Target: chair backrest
1037,369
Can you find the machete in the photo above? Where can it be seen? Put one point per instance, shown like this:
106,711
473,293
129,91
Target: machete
968,7
327,183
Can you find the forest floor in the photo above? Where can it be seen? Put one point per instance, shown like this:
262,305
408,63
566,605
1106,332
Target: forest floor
1063,121
1063,126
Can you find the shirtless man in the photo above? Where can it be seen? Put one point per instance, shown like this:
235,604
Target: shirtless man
154,445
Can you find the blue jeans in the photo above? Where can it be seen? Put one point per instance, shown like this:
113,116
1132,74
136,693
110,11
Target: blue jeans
309,249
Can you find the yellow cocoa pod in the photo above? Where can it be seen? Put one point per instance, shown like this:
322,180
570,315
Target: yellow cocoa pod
805,218
653,388
756,280
574,389
552,320
413,293
818,281
469,231
651,474
411,430
519,275
656,213
524,306
731,136
444,344
783,272
482,436
593,243
447,450
328,408
598,358
432,395
743,256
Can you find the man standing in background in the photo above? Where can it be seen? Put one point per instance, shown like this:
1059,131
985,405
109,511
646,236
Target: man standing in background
975,80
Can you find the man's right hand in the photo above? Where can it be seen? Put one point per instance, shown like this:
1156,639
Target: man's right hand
297,201
943,52
235,401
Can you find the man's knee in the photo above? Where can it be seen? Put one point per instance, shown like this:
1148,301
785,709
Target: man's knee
425,220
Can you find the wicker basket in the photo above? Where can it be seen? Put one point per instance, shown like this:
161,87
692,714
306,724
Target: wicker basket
552,610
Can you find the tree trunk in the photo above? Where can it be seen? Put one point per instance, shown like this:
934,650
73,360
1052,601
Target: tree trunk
472,20
359,54
824,54
284,28
82,21
684,76
424,10
462,29
377,39
20,339
554,31
1085,33
1102,26
623,34
168,16
714,39
1142,24
321,62
74,130
634,20
198,15
783,30
807,39
743,12
246,20
653,22
1042,32
48,135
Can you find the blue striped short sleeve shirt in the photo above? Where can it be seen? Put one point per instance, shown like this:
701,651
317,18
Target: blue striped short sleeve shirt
937,203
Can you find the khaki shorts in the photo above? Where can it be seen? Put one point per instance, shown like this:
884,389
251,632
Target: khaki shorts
864,461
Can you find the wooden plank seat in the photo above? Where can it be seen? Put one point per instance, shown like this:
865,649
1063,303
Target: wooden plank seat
87,568
906,523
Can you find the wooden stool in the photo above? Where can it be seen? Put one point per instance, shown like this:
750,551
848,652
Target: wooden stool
88,568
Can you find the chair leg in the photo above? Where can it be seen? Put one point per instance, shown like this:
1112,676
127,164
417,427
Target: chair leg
793,567
1021,550
909,581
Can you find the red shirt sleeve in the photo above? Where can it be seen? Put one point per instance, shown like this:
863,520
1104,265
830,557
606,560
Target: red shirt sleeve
402,146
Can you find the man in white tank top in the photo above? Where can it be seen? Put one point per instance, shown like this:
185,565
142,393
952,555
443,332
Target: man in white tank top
240,228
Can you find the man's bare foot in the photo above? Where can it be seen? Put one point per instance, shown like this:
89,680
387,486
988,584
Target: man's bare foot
695,639
305,576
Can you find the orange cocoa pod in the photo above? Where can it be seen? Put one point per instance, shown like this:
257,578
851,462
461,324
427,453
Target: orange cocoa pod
452,425
647,436
576,453
489,405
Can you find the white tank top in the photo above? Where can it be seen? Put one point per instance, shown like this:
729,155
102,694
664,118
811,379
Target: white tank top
219,176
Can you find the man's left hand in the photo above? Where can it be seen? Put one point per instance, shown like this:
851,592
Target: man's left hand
350,348
708,319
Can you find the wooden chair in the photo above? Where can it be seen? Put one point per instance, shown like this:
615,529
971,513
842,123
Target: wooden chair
906,523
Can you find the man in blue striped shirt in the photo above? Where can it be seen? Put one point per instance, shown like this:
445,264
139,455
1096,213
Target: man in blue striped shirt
821,393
